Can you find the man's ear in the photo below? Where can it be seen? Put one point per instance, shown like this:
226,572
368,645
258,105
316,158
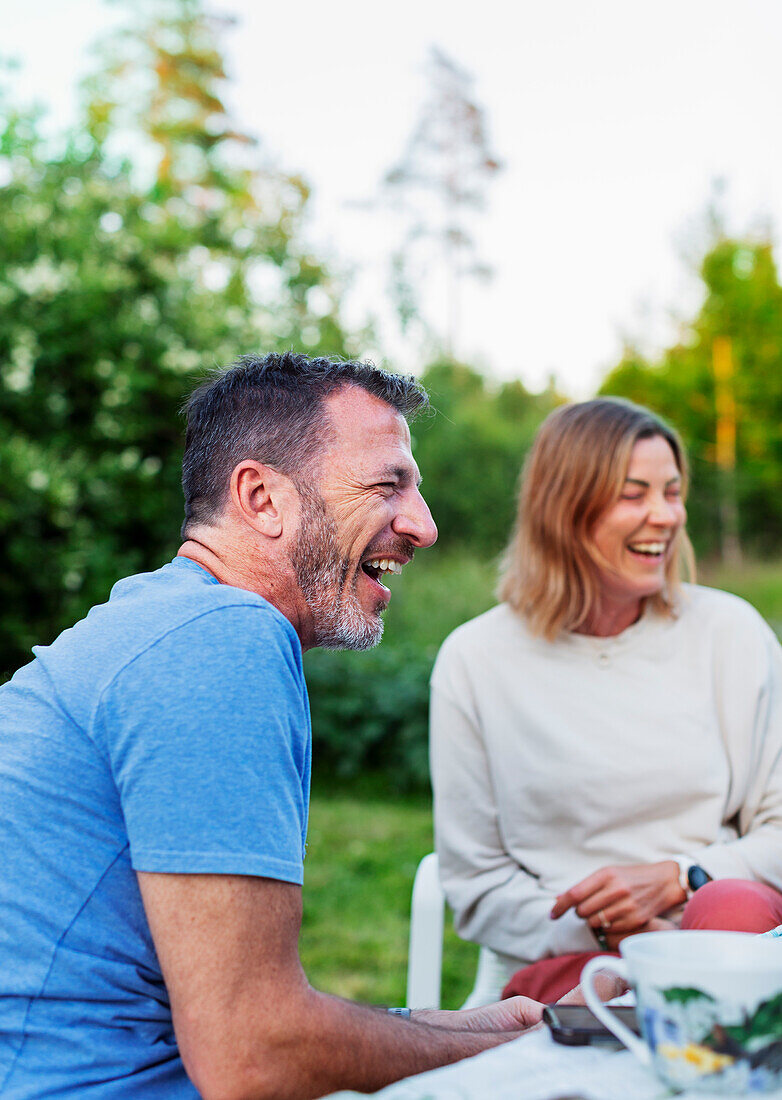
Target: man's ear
261,496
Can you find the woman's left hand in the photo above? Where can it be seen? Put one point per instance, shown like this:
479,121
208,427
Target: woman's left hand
656,924
623,899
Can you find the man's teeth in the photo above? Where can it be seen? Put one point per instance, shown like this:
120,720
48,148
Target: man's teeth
648,547
385,565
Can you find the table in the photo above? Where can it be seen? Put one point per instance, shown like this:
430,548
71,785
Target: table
534,1067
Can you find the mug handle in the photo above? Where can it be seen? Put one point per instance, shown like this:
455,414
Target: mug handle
606,1017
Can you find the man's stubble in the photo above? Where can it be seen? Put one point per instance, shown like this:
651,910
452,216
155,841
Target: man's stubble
338,618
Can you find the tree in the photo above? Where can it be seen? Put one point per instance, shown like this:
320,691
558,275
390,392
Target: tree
742,315
471,451
118,288
439,181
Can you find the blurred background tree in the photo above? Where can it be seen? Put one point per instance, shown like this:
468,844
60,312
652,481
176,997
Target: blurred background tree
723,382
438,184
157,240
135,252
471,451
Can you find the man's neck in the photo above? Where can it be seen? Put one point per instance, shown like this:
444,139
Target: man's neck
242,571
214,562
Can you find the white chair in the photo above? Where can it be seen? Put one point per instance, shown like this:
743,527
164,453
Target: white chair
425,958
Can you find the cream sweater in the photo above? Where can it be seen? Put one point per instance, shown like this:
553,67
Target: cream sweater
551,760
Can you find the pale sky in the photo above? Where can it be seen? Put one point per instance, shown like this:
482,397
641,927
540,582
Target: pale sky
612,119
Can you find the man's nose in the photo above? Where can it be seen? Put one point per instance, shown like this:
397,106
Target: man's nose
414,521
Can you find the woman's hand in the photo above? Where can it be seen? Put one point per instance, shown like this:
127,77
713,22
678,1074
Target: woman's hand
620,900
656,924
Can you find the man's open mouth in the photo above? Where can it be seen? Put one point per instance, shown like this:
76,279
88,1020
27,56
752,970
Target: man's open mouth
378,568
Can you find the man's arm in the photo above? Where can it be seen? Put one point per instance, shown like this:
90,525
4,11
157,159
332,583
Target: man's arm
248,1023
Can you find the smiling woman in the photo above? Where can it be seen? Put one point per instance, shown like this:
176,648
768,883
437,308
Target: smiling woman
636,536
608,740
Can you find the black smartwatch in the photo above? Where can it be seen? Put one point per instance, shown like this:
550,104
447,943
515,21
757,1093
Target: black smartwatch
697,877
691,875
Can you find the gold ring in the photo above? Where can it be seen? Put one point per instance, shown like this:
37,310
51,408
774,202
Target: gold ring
603,922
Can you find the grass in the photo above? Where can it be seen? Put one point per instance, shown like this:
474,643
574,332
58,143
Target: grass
362,852
365,844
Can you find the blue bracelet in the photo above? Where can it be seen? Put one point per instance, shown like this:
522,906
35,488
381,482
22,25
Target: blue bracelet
403,1012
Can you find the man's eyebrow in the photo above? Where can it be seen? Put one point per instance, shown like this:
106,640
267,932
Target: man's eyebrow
398,473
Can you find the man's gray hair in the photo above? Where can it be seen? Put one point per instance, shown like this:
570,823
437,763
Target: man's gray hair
270,409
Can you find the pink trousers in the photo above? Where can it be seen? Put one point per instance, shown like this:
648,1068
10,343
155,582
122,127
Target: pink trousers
733,904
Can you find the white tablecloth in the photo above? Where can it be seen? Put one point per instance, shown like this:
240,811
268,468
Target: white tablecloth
534,1067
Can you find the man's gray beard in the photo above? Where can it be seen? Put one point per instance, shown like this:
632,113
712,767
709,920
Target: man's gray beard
339,621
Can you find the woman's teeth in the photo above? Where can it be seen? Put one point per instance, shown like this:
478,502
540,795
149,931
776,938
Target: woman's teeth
653,549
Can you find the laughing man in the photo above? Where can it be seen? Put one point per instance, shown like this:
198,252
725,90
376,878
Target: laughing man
155,764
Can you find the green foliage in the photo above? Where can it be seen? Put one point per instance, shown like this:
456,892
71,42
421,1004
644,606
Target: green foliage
760,583
369,712
116,294
471,451
743,302
438,592
363,847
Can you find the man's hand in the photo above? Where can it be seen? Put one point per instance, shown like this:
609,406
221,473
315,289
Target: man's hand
515,1014
606,985
619,900
248,1024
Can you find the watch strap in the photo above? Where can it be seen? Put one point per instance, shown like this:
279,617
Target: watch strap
685,863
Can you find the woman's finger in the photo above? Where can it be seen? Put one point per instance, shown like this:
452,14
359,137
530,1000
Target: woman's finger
577,894
604,899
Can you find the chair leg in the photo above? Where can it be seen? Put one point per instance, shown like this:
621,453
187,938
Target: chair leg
490,979
425,958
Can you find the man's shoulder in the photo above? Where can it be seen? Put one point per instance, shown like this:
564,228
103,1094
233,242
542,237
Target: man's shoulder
148,606
177,608
181,606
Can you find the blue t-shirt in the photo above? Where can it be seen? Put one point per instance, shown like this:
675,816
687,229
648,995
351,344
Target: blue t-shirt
167,731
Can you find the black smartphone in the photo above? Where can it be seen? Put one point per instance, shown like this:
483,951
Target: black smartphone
575,1026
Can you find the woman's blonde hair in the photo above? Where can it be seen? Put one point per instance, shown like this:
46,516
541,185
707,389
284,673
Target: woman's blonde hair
576,468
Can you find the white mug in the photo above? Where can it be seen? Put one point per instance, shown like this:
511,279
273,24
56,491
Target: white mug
709,1006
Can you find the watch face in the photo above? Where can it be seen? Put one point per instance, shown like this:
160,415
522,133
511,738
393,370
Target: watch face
697,877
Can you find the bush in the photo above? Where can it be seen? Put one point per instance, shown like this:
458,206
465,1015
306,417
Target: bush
370,712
